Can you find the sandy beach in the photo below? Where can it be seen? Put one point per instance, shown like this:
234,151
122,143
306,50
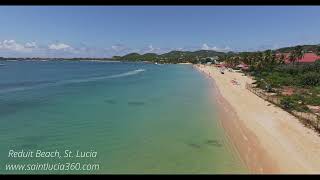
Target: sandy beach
268,139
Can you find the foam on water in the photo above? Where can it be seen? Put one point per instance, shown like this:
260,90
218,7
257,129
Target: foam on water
71,81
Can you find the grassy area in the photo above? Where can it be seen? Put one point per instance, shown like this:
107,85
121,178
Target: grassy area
302,79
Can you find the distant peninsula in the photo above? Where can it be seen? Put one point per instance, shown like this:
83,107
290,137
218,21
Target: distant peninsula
172,57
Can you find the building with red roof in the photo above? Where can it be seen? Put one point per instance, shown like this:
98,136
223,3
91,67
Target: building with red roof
307,58
243,66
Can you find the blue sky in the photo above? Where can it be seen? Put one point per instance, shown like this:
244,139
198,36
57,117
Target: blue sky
104,31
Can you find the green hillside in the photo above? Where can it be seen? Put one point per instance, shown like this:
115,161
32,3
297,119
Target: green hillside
306,48
172,56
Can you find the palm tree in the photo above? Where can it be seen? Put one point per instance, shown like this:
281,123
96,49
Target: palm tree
227,59
318,51
299,52
273,57
230,60
245,57
257,57
281,59
268,58
292,57
258,60
251,59
233,61
222,58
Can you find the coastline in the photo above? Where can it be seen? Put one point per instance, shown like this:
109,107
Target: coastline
268,139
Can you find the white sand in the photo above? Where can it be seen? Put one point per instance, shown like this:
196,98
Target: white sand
264,132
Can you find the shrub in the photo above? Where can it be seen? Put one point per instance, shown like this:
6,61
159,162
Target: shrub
287,103
294,102
313,100
316,90
312,97
317,65
310,79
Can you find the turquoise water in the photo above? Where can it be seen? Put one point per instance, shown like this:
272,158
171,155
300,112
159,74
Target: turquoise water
139,118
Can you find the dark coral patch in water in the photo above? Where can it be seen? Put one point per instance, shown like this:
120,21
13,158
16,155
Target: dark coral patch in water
14,106
193,145
110,101
136,103
215,143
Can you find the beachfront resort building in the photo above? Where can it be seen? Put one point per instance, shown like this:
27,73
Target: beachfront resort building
307,58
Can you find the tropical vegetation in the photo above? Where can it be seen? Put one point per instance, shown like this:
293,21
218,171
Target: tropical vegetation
275,76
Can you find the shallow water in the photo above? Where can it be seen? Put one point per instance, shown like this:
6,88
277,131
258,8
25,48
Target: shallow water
139,118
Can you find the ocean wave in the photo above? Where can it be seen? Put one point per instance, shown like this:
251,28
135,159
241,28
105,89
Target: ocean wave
71,81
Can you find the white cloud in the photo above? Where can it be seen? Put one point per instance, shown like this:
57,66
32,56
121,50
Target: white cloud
134,51
59,49
31,45
14,46
119,47
151,49
60,46
207,47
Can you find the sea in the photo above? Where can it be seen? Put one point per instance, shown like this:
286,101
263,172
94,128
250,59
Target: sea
82,117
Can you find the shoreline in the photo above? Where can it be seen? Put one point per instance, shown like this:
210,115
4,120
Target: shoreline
267,139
